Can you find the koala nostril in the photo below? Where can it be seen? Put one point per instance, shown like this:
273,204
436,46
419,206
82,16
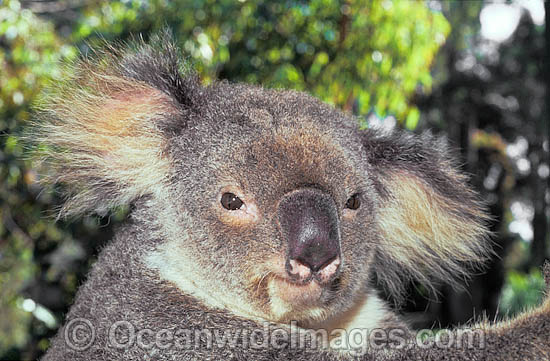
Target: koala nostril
329,269
297,268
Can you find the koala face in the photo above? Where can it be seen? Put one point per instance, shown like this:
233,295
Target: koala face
282,215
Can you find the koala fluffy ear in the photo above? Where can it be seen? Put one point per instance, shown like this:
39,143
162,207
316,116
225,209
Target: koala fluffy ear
104,127
432,224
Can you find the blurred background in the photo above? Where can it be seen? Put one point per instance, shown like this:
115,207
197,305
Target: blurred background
476,71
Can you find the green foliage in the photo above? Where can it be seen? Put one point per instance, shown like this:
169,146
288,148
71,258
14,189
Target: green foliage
361,56
521,292
29,50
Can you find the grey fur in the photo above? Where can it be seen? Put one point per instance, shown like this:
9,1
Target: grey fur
264,144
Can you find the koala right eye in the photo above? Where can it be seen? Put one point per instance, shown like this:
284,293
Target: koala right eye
231,202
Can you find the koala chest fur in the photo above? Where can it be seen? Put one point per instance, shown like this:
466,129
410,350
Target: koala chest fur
261,218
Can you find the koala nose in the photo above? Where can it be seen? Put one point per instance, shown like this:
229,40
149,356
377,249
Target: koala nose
309,222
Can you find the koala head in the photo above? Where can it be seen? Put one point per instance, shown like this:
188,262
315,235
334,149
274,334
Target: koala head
268,203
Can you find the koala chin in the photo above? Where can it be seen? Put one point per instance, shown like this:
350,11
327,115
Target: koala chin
256,211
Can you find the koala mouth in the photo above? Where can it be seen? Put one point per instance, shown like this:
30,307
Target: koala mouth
300,287
296,293
289,291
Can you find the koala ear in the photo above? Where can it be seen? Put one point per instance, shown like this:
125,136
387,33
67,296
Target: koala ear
104,127
432,224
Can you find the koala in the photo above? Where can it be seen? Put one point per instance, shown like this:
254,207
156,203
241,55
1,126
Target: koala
262,222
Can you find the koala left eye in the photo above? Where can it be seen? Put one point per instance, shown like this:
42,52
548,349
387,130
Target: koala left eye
353,202
231,202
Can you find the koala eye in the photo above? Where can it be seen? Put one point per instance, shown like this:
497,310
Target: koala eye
353,202
231,202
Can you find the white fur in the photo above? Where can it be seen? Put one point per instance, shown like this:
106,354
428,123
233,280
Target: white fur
174,265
